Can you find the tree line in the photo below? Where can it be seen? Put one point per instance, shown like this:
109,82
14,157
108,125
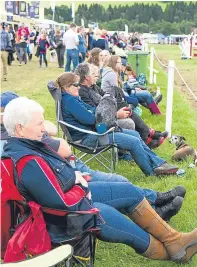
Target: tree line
177,17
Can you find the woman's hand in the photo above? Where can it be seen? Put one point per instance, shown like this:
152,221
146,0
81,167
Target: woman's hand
138,89
80,179
123,114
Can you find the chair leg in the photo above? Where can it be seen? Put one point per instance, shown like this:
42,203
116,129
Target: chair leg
92,249
113,159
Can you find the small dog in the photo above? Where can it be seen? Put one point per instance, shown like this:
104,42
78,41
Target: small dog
183,150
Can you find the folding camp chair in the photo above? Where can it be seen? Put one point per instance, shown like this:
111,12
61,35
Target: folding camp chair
15,210
96,151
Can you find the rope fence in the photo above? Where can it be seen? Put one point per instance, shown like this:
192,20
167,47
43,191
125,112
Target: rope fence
178,72
171,68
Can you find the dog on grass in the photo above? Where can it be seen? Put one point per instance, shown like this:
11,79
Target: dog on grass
183,150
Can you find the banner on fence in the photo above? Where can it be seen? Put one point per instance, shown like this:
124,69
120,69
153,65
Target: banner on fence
9,6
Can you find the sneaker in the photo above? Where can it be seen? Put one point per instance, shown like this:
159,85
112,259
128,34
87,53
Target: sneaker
156,142
158,99
166,212
20,64
166,197
158,134
165,169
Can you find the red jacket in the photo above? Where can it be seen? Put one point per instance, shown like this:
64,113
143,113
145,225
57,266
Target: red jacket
49,180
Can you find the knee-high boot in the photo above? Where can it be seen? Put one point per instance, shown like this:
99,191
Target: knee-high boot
181,247
154,109
156,250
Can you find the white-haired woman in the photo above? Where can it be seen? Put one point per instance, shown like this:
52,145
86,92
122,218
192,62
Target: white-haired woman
49,180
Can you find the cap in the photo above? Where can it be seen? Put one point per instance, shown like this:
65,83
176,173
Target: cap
6,97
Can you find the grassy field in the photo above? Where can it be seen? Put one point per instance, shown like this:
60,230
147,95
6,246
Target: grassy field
29,80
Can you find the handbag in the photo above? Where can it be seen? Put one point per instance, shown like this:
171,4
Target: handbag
30,238
9,49
37,54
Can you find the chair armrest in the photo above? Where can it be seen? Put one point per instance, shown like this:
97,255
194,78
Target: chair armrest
59,212
86,131
50,258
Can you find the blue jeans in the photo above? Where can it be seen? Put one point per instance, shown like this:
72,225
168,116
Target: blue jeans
144,96
83,57
44,58
98,176
131,141
71,55
110,199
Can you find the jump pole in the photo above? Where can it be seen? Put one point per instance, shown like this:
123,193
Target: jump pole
170,91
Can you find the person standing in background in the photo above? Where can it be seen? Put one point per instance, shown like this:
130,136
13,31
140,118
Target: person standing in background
82,44
12,35
71,41
5,42
17,45
43,45
23,28
101,40
32,37
10,50
89,38
59,47
23,48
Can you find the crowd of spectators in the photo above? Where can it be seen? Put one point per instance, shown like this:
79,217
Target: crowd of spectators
24,133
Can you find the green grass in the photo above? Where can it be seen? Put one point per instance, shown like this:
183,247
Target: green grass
29,80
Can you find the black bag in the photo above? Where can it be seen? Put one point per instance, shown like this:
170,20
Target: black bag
37,54
9,49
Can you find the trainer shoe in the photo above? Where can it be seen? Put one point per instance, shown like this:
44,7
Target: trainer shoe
166,197
167,211
166,169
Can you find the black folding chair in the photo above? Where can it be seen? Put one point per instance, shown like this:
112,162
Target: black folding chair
85,151
81,238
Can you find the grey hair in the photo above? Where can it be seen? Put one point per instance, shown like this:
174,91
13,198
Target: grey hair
82,70
19,111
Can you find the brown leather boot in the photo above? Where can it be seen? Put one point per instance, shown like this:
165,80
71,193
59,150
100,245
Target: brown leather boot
156,250
181,247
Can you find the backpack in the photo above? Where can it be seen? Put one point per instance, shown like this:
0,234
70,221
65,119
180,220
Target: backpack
142,79
9,194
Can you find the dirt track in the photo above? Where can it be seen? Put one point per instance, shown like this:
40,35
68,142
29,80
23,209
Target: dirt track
190,77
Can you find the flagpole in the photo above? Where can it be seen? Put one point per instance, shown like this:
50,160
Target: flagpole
73,11
53,9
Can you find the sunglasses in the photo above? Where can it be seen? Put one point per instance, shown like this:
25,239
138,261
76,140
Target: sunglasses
75,84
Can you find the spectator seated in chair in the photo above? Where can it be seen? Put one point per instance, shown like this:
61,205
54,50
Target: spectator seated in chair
110,77
143,230
82,115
